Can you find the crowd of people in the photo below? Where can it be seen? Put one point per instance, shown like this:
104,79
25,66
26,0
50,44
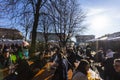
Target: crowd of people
9,54
11,58
104,64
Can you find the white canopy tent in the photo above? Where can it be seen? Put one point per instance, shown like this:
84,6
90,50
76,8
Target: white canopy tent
8,41
114,39
105,38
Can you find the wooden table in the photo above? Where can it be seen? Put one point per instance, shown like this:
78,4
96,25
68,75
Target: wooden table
46,74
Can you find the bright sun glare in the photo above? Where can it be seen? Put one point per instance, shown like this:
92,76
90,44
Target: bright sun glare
99,22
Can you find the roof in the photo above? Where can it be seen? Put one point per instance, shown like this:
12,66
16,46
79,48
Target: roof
85,36
50,33
6,33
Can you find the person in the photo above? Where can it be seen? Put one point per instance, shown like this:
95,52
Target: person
19,52
117,69
79,53
109,53
13,60
26,52
6,56
88,52
61,67
81,71
117,65
23,70
99,56
71,56
109,71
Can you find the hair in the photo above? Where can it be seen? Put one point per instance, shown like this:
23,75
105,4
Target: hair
117,60
116,55
82,65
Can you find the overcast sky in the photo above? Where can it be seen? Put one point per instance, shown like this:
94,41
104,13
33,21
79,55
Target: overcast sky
103,16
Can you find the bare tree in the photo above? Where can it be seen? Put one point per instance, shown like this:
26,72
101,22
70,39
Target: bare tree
45,28
26,24
66,17
17,10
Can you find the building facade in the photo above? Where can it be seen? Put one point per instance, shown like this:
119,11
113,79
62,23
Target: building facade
84,38
51,37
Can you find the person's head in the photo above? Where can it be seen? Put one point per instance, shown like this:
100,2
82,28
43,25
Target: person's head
63,51
117,65
83,66
109,50
116,55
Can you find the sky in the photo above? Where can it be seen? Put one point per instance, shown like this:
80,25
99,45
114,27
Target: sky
102,16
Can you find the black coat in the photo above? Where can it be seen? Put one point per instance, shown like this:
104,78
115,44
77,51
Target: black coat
109,72
60,73
24,71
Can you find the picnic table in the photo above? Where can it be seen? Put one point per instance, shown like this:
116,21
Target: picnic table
46,73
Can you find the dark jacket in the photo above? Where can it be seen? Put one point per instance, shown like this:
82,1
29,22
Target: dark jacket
24,71
60,73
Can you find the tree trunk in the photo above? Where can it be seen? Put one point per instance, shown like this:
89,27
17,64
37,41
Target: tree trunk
26,35
34,30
